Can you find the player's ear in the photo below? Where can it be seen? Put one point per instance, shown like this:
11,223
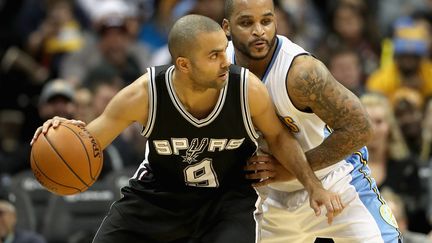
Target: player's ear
226,28
182,63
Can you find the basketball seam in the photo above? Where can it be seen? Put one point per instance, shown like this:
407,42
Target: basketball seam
41,171
85,148
64,161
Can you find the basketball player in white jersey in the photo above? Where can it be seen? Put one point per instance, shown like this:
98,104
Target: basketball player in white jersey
328,121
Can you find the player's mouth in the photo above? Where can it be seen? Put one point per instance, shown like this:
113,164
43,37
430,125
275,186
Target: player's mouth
259,44
224,75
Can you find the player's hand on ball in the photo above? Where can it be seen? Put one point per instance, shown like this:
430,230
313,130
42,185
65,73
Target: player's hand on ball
54,123
329,201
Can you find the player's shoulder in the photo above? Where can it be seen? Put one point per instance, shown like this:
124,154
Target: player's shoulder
304,64
137,91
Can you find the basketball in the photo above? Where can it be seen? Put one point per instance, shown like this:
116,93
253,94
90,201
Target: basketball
66,160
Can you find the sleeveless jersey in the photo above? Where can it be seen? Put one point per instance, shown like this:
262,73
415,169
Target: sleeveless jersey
308,128
189,154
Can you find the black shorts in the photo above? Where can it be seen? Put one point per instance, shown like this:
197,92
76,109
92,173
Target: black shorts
152,216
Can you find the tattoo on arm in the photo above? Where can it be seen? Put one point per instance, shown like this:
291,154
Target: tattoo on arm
311,85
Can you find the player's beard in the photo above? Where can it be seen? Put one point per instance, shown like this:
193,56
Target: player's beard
245,49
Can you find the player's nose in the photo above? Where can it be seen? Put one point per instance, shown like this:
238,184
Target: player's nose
258,30
226,62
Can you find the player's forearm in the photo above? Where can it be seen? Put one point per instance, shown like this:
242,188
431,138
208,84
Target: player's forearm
291,156
336,147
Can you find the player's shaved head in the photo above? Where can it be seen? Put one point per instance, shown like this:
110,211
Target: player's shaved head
185,31
229,6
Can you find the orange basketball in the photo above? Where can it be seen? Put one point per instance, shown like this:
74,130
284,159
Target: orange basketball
66,160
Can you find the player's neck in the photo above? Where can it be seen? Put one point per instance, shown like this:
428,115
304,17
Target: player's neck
199,102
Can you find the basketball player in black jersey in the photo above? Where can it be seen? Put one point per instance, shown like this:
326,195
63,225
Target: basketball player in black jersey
197,116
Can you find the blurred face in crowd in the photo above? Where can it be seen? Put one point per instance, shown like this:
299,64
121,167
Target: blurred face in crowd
60,12
252,27
213,9
7,219
378,115
409,118
58,106
114,45
345,67
348,22
408,64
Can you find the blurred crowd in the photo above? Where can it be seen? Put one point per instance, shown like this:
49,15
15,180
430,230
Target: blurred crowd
70,57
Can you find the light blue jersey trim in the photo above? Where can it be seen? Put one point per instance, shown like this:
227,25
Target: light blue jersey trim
370,196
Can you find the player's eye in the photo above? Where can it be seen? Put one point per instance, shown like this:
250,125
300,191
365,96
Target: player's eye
246,23
266,21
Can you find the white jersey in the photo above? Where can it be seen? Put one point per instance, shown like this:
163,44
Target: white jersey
308,128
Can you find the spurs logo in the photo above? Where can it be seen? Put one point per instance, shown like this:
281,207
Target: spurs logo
194,150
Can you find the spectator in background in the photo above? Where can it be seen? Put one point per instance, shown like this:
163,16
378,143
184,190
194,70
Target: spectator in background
396,203
345,65
8,232
411,68
351,28
213,9
13,152
58,34
154,33
307,20
408,108
57,99
426,151
391,163
424,17
390,10
129,12
113,47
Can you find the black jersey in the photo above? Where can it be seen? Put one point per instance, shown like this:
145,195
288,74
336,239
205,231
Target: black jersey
185,153
191,186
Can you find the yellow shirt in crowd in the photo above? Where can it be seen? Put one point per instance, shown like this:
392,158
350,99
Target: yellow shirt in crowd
387,79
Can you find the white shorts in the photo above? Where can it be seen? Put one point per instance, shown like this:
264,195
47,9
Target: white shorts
288,218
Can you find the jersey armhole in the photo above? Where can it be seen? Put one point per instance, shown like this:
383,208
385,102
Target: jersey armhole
152,98
308,109
250,129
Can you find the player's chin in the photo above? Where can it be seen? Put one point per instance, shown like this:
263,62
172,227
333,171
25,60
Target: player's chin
258,55
221,82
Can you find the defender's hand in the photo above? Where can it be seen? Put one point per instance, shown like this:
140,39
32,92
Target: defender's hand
329,200
266,169
54,123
